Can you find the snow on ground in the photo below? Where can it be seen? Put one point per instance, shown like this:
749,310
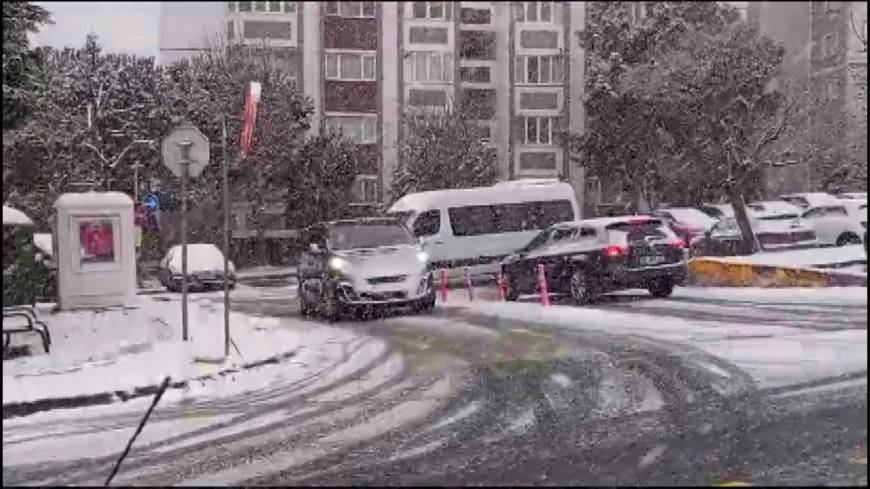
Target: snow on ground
772,354
94,352
828,296
801,258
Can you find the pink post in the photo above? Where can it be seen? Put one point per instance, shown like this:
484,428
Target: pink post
499,284
542,283
468,284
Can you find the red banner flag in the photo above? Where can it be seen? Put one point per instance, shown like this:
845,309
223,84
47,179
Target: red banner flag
246,141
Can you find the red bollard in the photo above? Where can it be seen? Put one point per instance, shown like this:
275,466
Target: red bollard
542,283
499,285
443,284
468,284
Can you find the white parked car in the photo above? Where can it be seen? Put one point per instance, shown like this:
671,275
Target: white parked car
806,200
205,268
833,224
857,209
853,196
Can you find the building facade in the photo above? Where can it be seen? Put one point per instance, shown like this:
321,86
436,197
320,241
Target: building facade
514,68
825,53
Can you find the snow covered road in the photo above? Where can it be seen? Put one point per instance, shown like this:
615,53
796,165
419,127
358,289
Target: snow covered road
409,398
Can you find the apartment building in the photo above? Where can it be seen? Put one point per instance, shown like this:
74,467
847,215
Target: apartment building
824,53
514,68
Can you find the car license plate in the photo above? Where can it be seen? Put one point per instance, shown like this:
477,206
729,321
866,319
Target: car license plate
651,259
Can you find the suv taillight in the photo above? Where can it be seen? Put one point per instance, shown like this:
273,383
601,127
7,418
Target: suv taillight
615,250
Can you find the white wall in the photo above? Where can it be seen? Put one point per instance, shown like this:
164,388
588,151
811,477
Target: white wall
186,27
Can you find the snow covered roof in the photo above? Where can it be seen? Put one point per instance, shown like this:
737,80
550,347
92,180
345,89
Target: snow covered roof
499,193
14,217
93,199
201,257
814,199
606,221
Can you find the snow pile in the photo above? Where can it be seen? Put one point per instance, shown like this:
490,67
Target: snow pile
119,350
14,217
802,258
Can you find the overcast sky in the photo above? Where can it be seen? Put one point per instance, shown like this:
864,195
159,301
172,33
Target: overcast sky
125,27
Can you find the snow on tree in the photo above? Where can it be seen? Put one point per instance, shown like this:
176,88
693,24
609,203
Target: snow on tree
19,20
715,95
442,149
91,110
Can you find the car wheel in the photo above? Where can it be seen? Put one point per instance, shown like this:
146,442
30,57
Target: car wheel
510,291
847,239
661,288
304,306
582,287
329,307
427,304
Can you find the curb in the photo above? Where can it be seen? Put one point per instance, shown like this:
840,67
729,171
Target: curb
717,273
19,409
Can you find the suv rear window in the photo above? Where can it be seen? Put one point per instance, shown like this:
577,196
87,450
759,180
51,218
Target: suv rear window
637,231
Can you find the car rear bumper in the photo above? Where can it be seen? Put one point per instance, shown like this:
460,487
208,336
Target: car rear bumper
640,277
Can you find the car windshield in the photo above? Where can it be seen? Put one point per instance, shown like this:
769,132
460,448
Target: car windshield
368,234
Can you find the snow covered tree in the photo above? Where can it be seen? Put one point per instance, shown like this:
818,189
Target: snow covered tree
19,20
443,149
318,179
93,116
621,144
715,97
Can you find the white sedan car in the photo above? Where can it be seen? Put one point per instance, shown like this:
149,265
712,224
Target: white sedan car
833,224
205,268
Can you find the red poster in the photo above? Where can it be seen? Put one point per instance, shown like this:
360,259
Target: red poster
97,241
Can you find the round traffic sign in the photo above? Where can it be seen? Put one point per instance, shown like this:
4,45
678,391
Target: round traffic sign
151,202
185,146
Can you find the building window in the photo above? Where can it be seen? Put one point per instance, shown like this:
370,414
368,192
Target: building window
264,7
475,16
365,189
535,11
350,66
539,70
485,132
474,74
351,9
432,10
540,130
434,66
361,129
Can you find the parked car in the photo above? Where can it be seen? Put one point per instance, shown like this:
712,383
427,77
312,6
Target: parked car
833,224
600,255
483,225
363,262
853,196
205,268
805,200
717,211
773,231
687,222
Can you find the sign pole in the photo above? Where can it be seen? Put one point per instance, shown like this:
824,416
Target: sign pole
184,176
226,184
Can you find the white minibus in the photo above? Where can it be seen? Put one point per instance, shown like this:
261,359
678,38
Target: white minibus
475,226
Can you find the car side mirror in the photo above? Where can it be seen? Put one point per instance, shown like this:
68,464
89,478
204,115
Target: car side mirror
314,248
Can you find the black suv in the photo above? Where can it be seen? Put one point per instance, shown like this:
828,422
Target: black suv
362,262
601,255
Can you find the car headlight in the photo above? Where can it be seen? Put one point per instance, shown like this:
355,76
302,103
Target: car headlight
423,257
338,264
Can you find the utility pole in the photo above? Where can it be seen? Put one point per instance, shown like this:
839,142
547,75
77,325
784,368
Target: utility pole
225,170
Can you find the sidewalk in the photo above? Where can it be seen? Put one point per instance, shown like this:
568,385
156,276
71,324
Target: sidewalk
111,355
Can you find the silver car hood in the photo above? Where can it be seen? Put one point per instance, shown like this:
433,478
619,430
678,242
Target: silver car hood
381,262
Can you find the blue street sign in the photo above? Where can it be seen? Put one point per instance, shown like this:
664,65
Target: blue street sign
151,202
